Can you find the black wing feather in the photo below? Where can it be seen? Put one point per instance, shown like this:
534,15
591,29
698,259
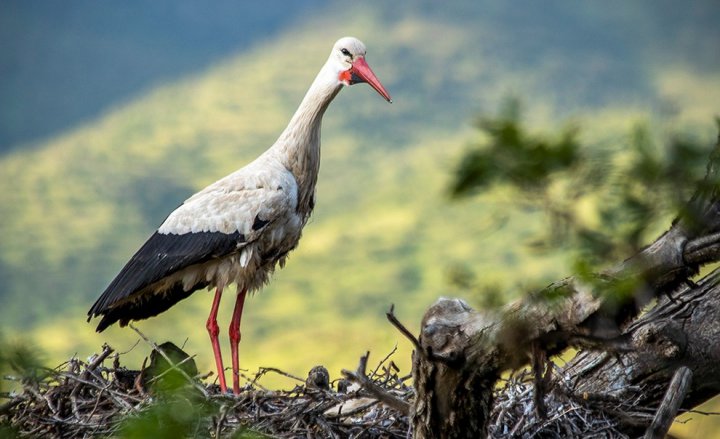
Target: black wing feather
160,256
146,306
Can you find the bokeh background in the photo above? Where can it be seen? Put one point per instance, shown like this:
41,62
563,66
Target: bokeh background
112,113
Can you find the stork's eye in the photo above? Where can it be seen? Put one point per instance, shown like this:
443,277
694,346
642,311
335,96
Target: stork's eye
345,52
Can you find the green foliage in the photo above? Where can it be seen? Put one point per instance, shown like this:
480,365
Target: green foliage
22,360
20,363
173,414
8,432
512,155
655,183
627,194
176,413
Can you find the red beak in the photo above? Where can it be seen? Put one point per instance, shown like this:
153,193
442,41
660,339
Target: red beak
361,72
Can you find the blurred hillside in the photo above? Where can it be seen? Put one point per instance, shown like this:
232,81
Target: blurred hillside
74,208
64,62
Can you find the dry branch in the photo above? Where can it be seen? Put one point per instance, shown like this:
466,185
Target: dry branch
674,396
462,351
375,390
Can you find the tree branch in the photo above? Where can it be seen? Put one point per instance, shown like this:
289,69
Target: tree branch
670,405
464,350
360,378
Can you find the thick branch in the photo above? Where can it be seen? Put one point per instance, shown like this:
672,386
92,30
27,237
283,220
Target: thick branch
676,333
462,351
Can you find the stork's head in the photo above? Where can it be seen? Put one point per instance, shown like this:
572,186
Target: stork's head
349,55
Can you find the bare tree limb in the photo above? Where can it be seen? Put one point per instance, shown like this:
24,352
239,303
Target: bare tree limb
400,327
463,351
670,405
359,377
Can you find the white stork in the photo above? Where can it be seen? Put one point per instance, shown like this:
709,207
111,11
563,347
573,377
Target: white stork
239,228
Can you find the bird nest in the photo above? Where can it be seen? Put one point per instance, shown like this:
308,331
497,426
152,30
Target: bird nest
100,397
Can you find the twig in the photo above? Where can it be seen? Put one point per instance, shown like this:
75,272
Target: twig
700,412
5,408
400,327
253,382
394,349
674,396
105,388
165,372
107,350
263,370
170,362
356,410
374,390
137,342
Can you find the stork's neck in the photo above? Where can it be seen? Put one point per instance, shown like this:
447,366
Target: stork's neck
299,145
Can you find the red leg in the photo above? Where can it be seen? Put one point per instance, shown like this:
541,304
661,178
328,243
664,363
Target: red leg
214,330
235,339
